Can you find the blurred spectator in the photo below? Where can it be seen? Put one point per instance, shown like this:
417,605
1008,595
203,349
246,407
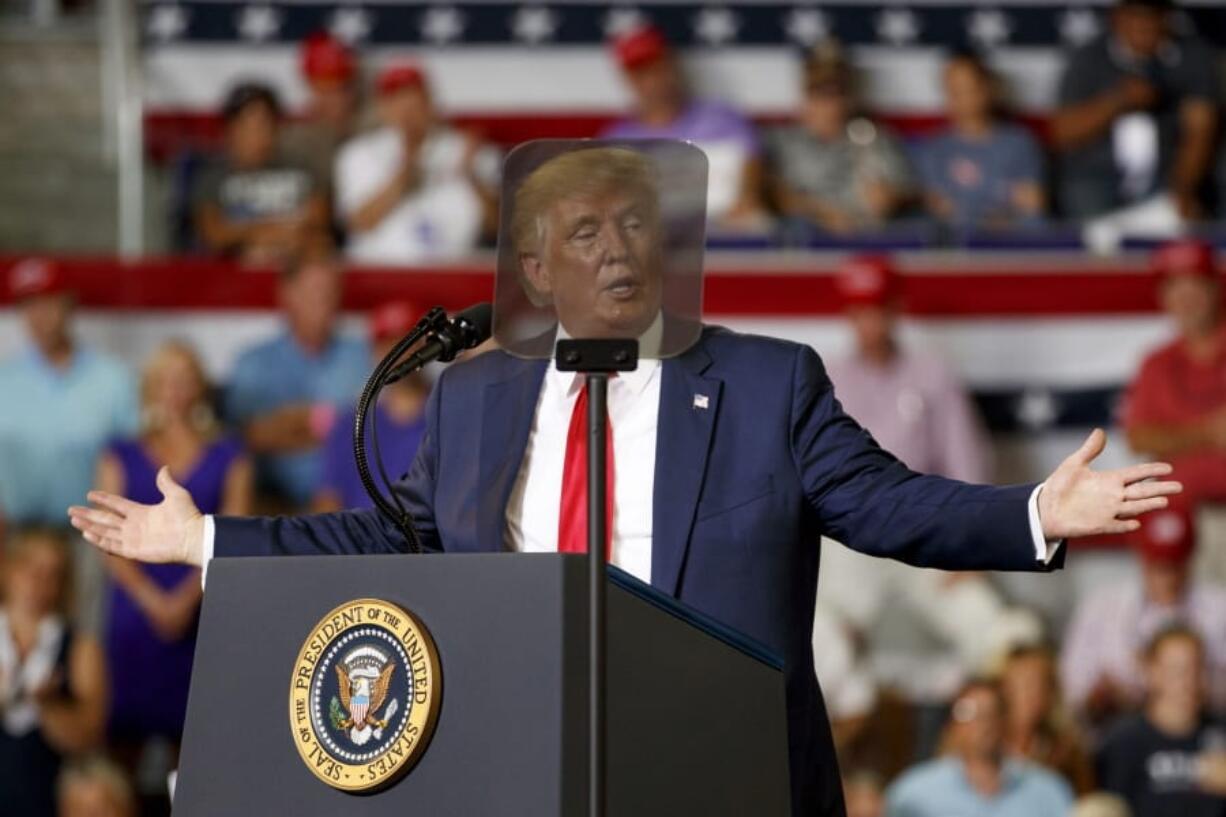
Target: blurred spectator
284,393
1109,627
52,679
151,609
253,203
94,787
912,405
1176,407
864,795
399,418
1037,727
1137,115
848,686
330,72
664,109
61,403
1100,804
415,189
836,169
908,400
981,172
923,631
977,777
1171,758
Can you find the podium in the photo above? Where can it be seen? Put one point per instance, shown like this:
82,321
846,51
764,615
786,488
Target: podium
695,712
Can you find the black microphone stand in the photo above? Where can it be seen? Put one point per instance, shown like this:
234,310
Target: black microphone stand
597,359
394,510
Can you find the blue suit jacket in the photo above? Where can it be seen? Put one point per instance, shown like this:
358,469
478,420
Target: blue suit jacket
744,489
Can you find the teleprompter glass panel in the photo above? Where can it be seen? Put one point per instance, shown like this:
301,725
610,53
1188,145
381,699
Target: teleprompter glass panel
601,239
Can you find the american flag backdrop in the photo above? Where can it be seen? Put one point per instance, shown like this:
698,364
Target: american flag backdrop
491,57
524,68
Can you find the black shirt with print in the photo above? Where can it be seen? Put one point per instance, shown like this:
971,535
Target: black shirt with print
1156,773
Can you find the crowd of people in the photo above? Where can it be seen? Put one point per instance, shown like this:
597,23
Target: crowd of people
948,694
96,654
372,169
976,703
1118,711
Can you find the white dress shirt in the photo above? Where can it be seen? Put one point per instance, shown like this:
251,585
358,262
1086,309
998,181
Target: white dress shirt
634,407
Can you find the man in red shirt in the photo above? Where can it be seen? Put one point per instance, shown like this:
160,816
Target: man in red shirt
1176,406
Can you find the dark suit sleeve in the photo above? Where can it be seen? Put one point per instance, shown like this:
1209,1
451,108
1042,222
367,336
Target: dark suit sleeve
365,531
867,499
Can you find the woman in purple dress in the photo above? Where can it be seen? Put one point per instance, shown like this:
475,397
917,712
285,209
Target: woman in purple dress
151,609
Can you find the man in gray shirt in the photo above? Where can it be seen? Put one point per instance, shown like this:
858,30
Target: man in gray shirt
835,170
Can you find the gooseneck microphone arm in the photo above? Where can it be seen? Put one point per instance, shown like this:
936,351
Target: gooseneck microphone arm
467,329
444,340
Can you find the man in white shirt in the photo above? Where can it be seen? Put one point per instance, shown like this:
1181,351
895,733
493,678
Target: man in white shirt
752,460
414,190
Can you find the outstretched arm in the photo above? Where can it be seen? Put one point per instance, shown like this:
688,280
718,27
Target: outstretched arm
365,531
174,530
870,501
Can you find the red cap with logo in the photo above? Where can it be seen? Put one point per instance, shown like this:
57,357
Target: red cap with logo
1166,535
325,58
1185,257
393,320
639,46
868,280
398,76
36,276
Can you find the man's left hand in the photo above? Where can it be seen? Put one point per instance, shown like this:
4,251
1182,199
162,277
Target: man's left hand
1079,501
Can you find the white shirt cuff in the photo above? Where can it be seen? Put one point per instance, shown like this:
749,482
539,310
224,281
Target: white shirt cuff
1044,549
206,548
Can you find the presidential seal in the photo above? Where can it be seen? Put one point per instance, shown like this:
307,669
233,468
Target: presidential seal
364,695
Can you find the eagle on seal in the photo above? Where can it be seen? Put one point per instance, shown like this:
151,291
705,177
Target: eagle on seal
362,696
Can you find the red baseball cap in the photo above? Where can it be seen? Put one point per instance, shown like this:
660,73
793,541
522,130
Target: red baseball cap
399,76
323,57
32,277
1185,257
639,46
393,319
1166,535
867,280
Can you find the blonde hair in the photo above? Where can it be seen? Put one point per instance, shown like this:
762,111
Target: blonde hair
1100,804
23,541
579,172
98,769
202,414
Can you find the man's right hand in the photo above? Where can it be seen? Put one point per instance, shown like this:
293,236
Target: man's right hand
170,531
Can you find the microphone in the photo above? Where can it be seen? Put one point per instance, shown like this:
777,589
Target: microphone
467,329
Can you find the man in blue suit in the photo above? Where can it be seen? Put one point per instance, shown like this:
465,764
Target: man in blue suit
731,460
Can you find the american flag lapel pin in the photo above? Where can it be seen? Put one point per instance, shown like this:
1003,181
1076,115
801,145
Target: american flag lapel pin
701,401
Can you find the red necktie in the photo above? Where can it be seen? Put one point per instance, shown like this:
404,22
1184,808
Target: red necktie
572,519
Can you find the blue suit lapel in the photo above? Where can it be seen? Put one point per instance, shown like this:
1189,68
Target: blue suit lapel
507,411
683,443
